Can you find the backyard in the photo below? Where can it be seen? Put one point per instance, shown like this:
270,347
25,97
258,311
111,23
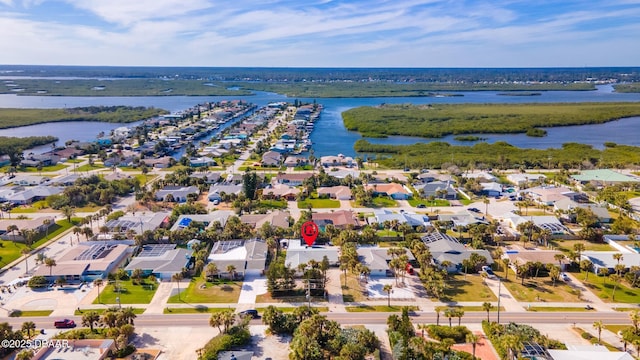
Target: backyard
199,291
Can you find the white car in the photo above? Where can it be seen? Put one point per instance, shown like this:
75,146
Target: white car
565,277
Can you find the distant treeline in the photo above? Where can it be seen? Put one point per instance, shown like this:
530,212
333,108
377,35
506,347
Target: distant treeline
11,145
435,121
116,114
262,74
628,88
128,87
393,89
499,155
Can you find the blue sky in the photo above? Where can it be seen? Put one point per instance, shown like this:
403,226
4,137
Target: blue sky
322,33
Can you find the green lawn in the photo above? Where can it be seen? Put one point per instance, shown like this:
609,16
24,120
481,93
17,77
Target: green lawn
273,204
383,202
470,288
541,289
353,292
379,308
10,251
567,245
51,168
603,288
130,294
297,295
88,167
27,313
436,203
288,309
385,233
555,309
199,291
319,204
136,311
194,310
616,328
144,178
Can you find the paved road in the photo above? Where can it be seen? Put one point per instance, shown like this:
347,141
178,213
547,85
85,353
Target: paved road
371,318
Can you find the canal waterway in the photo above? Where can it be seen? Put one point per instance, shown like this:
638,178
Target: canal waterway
330,136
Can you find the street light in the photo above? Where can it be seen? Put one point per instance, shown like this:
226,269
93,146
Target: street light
118,301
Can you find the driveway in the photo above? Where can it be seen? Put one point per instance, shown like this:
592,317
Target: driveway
252,286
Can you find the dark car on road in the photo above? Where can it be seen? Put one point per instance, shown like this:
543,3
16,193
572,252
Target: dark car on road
475,210
249,313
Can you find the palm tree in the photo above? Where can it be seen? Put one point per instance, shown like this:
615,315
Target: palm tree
98,283
473,340
177,277
13,229
388,288
513,344
211,269
50,263
635,319
618,257
449,313
127,314
604,272
68,212
615,278
559,257
216,321
598,326
487,306
26,252
586,265
27,326
25,354
47,223
232,271
90,319
505,262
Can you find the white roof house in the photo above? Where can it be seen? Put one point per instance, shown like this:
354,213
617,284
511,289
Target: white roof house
247,256
299,253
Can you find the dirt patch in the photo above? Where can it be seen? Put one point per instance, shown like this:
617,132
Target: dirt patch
268,347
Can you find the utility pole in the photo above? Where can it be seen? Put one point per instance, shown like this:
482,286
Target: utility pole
499,288
309,292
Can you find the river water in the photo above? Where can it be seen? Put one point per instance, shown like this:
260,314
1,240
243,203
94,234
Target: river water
330,136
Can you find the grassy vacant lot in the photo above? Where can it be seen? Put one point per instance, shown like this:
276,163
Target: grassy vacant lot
567,245
541,289
296,296
379,308
200,291
470,288
319,204
129,294
603,288
615,328
353,292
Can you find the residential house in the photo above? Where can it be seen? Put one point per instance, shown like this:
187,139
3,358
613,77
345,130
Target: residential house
137,222
341,219
295,161
481,176
548,195
248,257
524,179
94,349
521,257
437,189
295,179
377,259
491,189
217,190
462,219
39,225
281,191
445,248
162,162
340,160
161,260
299,253
393,190
208,177
381,216
276,218
335,192
605,259
603,177
23,196
178,194
542,222
87,261
271,158
220,216
202,161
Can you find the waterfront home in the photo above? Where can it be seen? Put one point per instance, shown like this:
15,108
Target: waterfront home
163,162
339,160
295,161
603,177
548,195
177,193
202,162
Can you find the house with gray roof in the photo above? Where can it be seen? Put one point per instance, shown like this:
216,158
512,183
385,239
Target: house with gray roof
23,196
377,259
444,247
217,190
605,259
161,261
247,256
178,193
437,189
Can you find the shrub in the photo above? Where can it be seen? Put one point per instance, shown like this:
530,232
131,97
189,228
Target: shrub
236,336
37,282
456,333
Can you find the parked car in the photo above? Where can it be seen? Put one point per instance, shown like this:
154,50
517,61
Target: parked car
63,324
250,313
565,277
421,206
476,210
